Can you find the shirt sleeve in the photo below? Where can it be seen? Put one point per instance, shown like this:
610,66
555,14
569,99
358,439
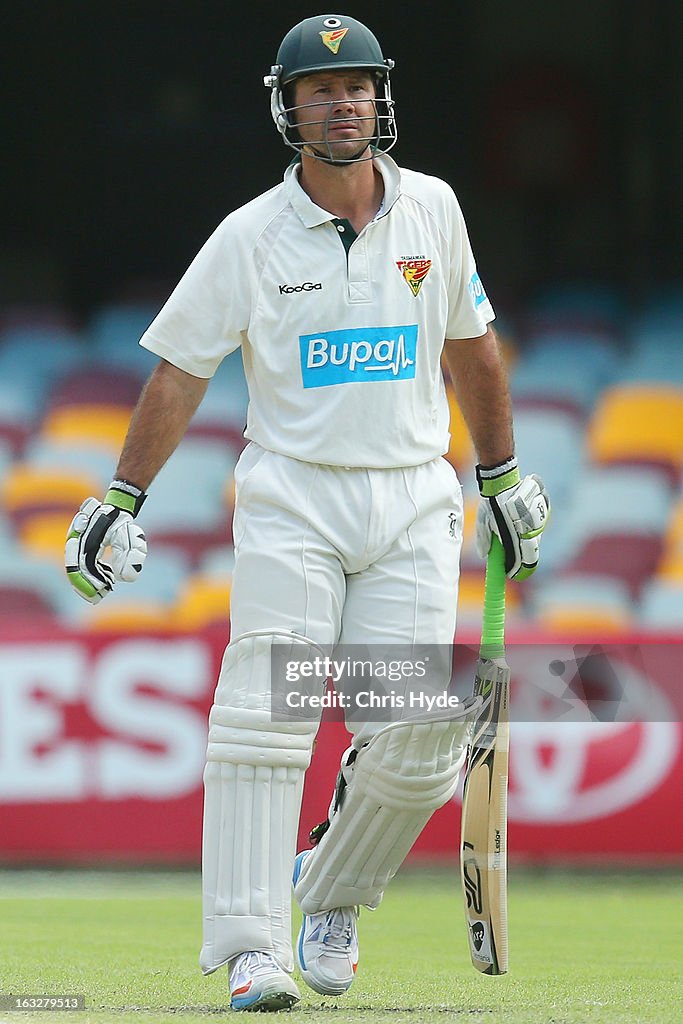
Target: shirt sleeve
205,316
469,310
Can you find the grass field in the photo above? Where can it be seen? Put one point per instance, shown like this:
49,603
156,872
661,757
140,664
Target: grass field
583,948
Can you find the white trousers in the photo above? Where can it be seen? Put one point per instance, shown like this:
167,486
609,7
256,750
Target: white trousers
350,556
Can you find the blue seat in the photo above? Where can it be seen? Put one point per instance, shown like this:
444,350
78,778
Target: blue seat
21,403
625,498
226,399
580,302
44,453
114,333
33,358
6,456
656,356
611,501
581,591
661,606
46,575
661,312
550,443
218,563
564,365
189,492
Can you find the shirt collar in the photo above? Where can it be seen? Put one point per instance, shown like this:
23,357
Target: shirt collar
312,215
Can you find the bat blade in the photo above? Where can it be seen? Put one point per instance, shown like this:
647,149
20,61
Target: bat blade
483,855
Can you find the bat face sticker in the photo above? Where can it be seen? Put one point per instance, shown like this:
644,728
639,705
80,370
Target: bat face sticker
478,933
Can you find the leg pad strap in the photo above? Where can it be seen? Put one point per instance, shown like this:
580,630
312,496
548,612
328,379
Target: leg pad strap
395,784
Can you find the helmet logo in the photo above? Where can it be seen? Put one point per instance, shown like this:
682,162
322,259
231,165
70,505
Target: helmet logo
414,270
332,40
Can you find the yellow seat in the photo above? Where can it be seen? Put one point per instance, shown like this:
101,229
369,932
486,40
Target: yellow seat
229,492
671,563
44,534
460,452
469,526
136,616
27,486
471,592
577,620
638,422
203,602
97,425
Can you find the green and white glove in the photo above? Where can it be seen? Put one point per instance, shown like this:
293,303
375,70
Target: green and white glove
104,545
516,510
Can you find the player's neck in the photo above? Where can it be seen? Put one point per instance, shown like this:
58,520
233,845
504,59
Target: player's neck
353,192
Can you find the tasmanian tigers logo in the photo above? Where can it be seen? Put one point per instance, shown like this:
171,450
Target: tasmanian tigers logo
414,270
333,40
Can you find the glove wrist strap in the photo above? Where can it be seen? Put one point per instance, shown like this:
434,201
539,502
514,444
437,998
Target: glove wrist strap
126,496
492,480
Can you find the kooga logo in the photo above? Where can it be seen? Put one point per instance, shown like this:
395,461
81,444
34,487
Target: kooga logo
360,354
307,286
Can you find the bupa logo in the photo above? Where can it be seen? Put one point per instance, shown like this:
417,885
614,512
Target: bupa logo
361,354
307,286
476,290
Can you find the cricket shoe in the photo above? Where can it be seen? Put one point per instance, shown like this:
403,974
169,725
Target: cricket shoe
258,983
327,947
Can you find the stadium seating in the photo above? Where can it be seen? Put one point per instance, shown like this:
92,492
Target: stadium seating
670,567
101,385
662,606
114,332
639,424
24,603
577,306
28,491
68,457
205,601
598,395
564,370
583,603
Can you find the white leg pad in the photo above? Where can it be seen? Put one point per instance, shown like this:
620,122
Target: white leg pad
397,781
253,785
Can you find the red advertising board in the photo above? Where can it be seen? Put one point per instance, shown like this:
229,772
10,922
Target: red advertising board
102,741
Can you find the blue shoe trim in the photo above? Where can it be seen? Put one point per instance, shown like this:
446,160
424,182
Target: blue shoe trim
298,862
302,962
240,1002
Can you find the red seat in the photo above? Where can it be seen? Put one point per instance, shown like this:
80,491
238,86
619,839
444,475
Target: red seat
233,437
97,386
18,602
194,544
630,557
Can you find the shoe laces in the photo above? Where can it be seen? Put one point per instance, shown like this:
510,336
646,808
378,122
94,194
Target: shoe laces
339,933
254,962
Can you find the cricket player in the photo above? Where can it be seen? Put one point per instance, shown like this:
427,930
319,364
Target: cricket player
343,285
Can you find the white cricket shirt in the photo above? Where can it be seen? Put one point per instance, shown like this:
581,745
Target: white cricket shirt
341,350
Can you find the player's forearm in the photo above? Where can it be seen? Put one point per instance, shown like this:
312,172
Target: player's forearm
168,401
481,387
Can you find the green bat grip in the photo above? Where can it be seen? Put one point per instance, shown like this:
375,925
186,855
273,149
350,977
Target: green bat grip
493,625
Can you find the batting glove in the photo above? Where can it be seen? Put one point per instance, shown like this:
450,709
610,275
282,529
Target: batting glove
516,510
104,545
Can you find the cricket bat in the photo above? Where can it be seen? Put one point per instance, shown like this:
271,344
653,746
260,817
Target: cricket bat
483,846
